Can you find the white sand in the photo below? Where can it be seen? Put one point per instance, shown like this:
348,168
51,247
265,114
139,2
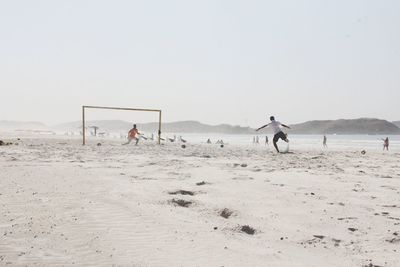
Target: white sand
64,204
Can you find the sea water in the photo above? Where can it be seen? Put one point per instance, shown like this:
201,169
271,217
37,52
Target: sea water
312,142
303,142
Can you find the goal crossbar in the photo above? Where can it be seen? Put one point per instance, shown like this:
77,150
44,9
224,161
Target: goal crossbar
118,108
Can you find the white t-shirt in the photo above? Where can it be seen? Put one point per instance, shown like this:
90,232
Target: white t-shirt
276,126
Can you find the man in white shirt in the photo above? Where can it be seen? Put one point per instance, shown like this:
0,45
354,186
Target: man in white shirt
276,128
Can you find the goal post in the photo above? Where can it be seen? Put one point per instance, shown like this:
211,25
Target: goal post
118,108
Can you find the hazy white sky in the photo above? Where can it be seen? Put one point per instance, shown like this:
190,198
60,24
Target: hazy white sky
213,61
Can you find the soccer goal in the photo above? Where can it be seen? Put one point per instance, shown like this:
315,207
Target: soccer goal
117,108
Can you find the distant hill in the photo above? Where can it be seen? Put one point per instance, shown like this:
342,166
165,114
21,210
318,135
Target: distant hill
196,127
22,125
104,125
171,127
397,123
354,126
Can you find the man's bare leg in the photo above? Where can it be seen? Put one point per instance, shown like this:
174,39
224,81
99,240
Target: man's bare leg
276,146
129,141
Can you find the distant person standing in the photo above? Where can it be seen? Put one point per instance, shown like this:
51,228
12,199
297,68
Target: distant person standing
266,140
386,144
132,135
324,141
257,140
278,134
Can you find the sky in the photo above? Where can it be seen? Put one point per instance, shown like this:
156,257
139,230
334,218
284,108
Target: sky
235,62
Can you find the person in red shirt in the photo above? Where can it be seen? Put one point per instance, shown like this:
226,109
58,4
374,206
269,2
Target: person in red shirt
132,135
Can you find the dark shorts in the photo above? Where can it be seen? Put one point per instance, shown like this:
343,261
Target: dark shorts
280,135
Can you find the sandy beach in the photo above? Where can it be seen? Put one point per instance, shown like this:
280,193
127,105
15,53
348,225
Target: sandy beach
149,205
219,84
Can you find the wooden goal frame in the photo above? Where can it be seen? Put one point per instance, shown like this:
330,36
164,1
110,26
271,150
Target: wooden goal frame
117,108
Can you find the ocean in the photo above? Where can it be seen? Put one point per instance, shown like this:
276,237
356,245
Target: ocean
303,142
312,142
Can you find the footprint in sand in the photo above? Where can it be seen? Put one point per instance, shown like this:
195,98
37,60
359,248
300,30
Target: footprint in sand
347,218
243,165
351,229
182,192
320,239
248,229
394,240
242,178
181,202
372,265
226,213
201,183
